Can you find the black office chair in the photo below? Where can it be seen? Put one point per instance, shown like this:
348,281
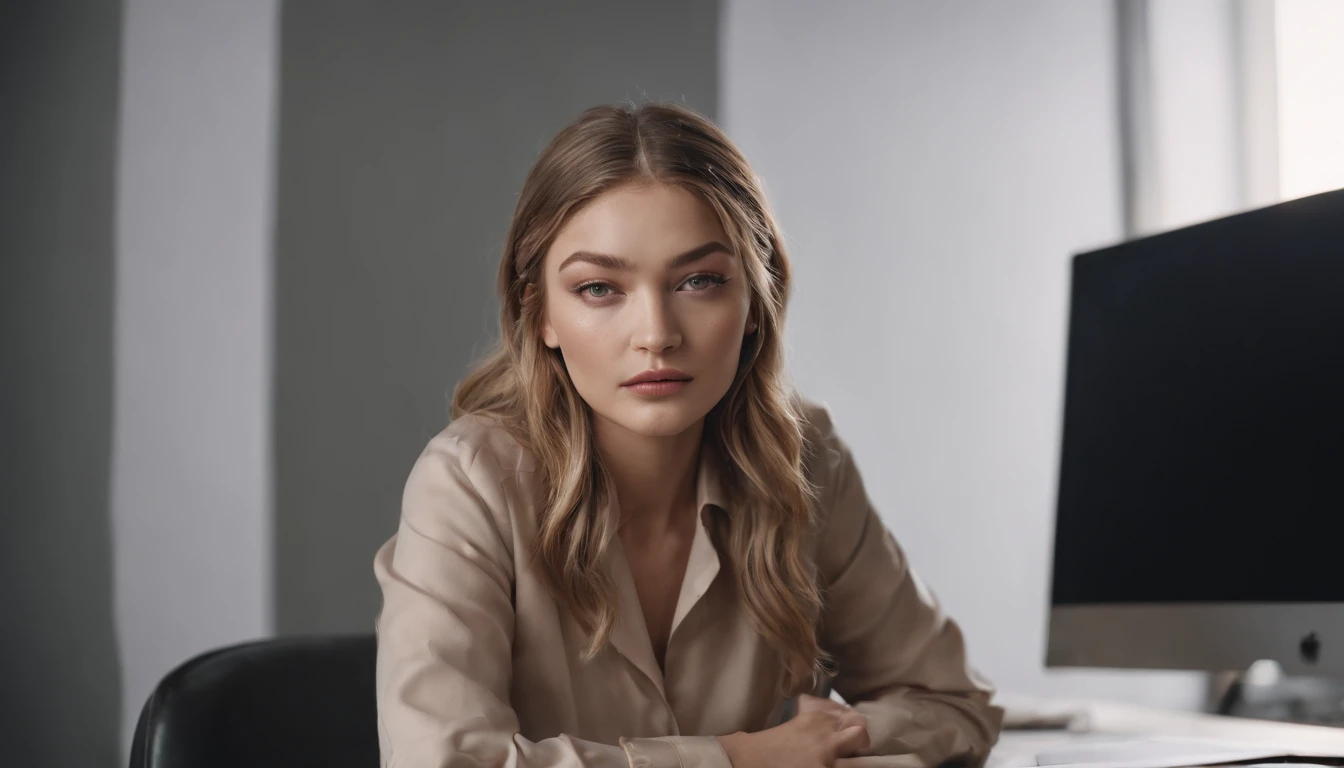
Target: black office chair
291,702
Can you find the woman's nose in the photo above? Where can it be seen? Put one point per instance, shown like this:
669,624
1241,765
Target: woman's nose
658,330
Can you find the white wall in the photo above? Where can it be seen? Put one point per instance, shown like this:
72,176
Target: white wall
190,477
1311,97
1209,88
934,166
1193,46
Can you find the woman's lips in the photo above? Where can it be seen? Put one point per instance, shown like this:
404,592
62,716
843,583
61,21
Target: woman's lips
658,388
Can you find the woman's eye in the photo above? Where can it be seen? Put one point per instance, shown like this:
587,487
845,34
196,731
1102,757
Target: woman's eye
596,290
703,282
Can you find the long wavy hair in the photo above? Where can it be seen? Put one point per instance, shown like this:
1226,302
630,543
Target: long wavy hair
757,428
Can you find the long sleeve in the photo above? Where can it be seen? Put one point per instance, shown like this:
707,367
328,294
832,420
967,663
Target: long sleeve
446,629
901,662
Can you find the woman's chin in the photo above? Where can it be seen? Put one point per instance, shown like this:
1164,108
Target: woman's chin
660,419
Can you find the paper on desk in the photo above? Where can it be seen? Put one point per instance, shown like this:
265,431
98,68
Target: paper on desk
1166,753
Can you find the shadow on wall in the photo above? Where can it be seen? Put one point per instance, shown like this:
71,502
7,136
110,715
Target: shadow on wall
405,135
59,76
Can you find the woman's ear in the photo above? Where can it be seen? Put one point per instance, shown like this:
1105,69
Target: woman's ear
548,336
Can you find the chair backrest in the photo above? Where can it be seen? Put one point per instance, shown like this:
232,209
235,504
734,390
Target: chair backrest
292,702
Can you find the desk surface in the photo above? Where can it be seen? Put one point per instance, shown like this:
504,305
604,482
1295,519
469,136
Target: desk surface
1109,721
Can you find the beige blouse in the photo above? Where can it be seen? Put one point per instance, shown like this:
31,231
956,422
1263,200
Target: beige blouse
478,664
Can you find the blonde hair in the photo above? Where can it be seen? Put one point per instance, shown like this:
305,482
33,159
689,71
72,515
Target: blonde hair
757,428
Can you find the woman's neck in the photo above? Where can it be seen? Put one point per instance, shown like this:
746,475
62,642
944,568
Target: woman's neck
655,477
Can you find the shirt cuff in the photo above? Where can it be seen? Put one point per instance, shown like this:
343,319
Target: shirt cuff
676,752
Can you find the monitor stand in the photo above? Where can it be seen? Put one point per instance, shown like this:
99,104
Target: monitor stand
1263,693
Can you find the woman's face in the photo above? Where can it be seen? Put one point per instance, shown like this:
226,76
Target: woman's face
642,279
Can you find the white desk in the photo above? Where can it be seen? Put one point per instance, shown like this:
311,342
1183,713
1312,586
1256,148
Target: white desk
1109,721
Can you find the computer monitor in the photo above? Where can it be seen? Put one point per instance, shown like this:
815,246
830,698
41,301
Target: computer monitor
1200,516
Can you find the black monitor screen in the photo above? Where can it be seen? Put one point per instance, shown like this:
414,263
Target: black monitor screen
1203,448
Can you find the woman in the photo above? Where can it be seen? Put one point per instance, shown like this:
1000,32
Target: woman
635,544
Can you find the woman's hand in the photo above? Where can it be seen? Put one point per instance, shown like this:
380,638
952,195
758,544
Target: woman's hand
809,703
815,738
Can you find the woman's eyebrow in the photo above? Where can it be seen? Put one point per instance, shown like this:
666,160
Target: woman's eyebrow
619,264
